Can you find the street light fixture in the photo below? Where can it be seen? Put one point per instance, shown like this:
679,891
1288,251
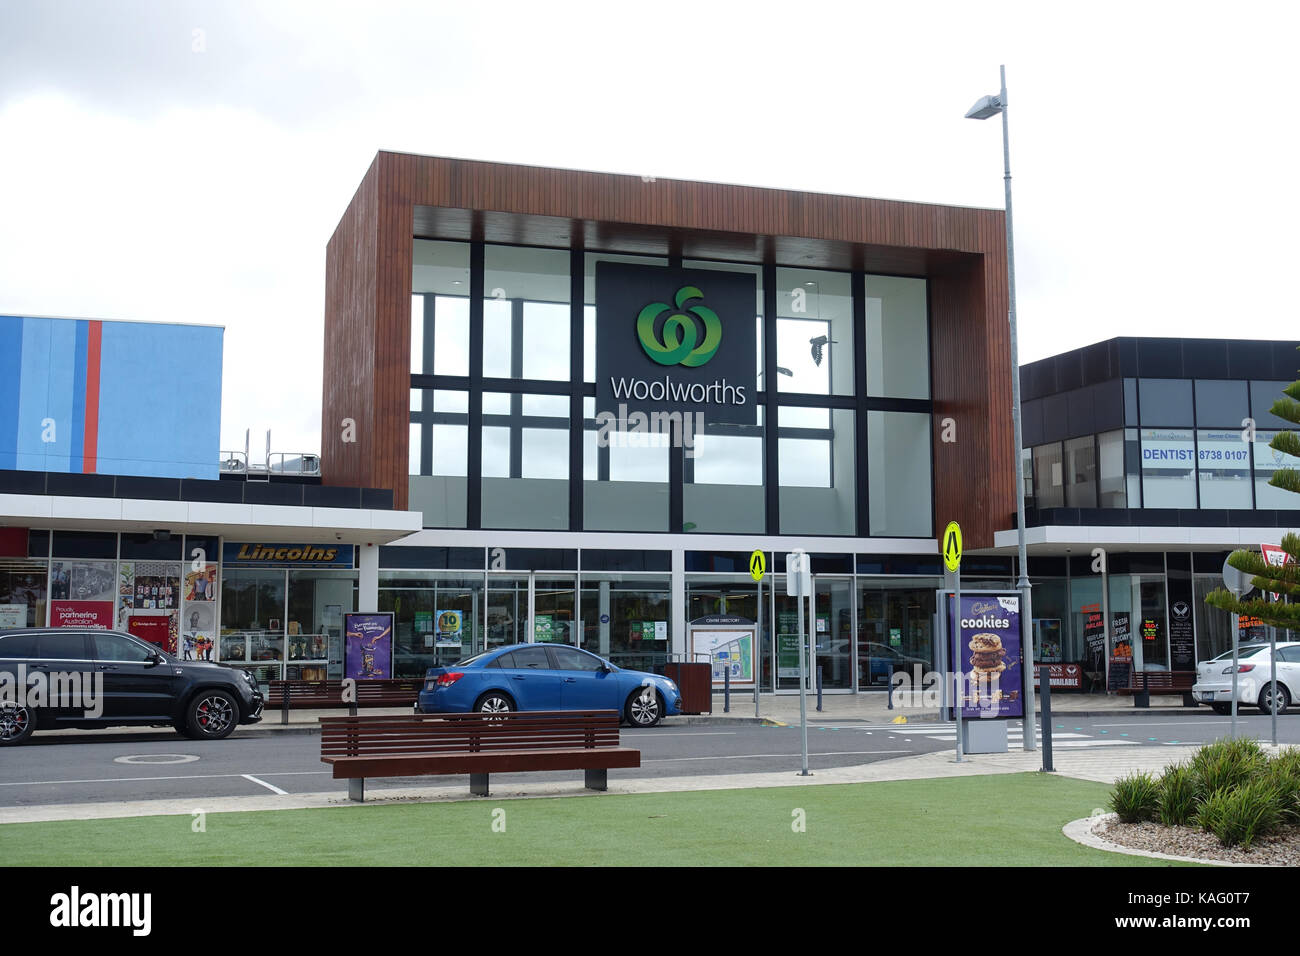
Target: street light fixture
984,108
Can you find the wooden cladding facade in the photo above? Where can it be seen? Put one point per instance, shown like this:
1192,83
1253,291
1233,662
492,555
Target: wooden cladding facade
962,251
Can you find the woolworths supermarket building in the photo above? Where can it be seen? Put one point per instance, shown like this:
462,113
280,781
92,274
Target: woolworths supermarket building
485,323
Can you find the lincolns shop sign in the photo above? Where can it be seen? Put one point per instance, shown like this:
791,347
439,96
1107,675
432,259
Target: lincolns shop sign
676,340
252,554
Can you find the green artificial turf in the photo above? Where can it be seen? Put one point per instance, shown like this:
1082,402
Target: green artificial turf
998,820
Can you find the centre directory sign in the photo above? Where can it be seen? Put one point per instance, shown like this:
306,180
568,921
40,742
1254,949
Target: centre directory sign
676,341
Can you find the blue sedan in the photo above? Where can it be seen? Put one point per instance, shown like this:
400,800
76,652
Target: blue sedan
547,677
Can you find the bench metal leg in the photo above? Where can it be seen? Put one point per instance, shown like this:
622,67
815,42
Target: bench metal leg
357,789
596,779
478,784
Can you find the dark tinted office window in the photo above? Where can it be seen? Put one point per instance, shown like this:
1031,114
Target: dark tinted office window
85,544
17,645
143,547
208,546
1165,401
38,544
1262,397
63,647
1220,404
1130,401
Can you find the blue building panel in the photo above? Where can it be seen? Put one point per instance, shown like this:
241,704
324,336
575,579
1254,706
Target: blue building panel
124,398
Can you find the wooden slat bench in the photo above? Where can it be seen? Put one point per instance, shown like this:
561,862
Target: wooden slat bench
389,692
475,744
1163,682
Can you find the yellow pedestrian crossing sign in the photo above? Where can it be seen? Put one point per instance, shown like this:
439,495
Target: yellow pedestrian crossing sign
757,565
952,546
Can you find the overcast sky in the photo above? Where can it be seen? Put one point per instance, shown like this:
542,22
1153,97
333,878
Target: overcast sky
188,161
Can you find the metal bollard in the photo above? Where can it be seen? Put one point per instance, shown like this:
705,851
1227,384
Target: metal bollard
819,688
284,702
1143,697
1045,696
726,690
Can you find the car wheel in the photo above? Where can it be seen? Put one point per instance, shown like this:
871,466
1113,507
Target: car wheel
1221,709
1266,699
494,702
16,724
212,715
644,707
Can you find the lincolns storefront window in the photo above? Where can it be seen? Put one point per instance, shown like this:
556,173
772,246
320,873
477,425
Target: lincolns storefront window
282,608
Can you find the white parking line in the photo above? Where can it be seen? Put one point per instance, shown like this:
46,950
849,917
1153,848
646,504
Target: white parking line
1165,723
249,776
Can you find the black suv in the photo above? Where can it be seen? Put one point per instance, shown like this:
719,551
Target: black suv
74,677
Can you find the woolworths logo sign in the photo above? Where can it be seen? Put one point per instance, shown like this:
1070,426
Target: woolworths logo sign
680,331
676,340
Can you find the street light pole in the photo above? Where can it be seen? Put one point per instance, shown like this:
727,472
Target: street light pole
986,107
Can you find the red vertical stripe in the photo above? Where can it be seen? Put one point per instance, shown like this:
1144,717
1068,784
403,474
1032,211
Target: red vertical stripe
91,431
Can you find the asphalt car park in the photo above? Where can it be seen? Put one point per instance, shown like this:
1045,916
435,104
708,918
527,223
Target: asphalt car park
107,766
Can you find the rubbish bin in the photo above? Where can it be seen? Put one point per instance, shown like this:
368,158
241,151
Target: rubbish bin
695,681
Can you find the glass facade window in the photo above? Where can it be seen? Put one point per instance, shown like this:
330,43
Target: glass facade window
526,313
1049,476
1262,397
1223,468
1112,487
525,461
615,611
440,308
1165,401
898,337
22,592
252,621
1268,461
522,444
818,474
898,475
1168,467
1222,404
1081,473
814,331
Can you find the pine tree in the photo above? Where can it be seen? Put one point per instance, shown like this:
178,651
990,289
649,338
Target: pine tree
1281,580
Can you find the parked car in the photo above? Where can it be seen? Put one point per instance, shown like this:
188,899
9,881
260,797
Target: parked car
547,677
1254,686
85,678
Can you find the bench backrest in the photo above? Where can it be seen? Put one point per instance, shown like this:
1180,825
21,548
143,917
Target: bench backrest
457,733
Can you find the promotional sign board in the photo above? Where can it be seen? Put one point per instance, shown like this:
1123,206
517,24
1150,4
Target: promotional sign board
448,630
985,643
676,341
368,645
13,615
1063,676
96,614
1182,640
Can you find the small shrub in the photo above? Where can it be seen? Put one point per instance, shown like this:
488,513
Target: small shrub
1225,764
1283,772
1135,798
1239,817
1180,796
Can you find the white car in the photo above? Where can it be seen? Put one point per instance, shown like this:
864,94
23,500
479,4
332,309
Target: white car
1214,678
